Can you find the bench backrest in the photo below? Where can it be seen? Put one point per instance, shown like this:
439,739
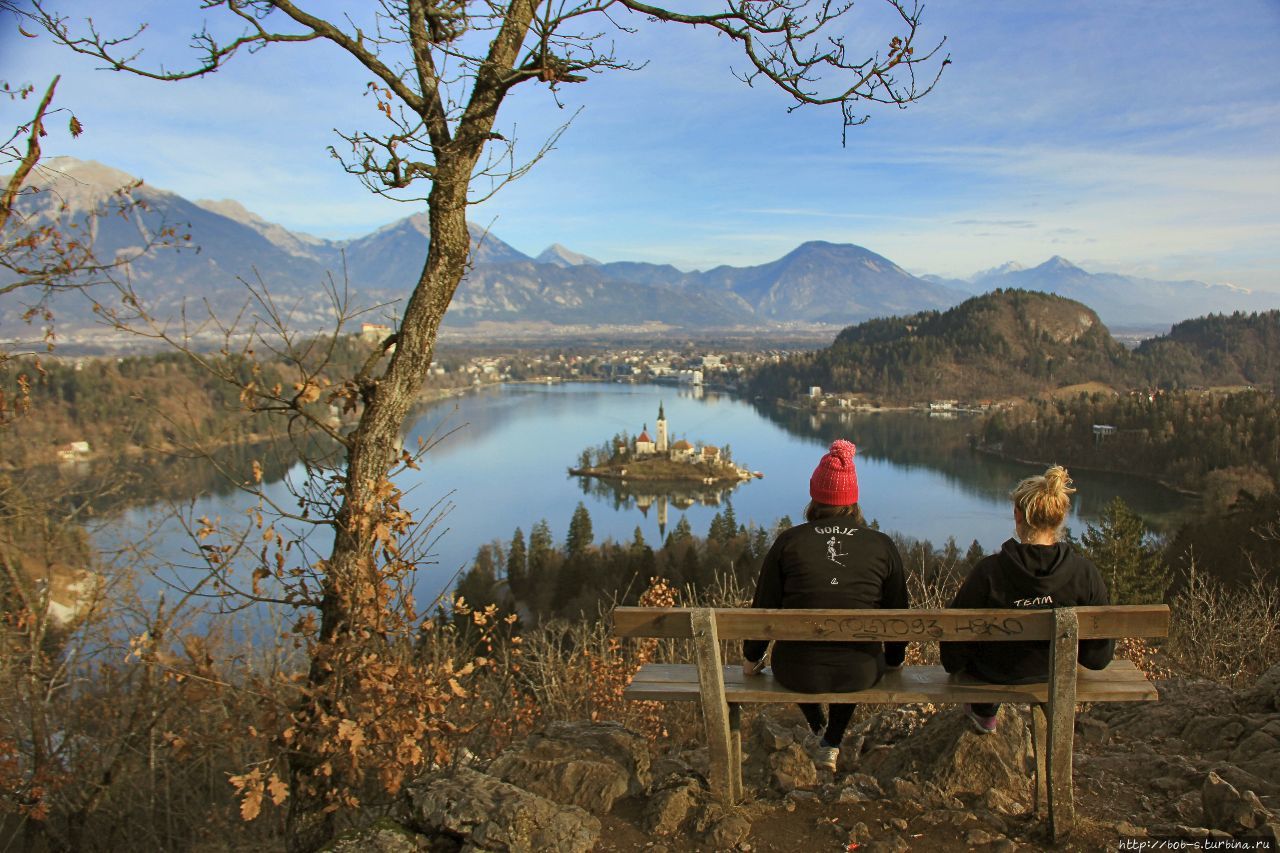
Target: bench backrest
984,625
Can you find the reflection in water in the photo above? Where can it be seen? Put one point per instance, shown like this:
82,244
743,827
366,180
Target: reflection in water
659,495
499,458
916,440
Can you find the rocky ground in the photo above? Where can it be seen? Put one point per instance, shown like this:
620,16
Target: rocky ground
1202,763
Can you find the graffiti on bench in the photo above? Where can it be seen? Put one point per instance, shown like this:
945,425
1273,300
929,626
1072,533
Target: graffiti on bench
897,628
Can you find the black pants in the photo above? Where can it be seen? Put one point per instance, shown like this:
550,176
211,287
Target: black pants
799,668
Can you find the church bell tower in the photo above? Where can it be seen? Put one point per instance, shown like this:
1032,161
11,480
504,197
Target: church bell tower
662,430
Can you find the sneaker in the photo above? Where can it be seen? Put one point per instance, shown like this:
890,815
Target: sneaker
827,758
982,725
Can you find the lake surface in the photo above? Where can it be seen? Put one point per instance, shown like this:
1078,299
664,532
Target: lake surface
502,454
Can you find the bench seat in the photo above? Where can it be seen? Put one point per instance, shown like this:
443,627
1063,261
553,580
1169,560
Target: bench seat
722,690
1119,682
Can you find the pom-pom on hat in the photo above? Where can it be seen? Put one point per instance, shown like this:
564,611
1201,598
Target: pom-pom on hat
835,480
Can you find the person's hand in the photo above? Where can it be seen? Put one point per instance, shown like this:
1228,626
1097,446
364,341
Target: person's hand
749,668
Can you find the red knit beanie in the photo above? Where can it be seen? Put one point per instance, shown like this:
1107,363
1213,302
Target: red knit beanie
835,480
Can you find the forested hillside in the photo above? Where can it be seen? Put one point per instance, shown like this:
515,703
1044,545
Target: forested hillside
1221,349
164,401
1014,343
1217,443
1008,342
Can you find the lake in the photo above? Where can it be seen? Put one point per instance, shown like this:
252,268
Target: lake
502,456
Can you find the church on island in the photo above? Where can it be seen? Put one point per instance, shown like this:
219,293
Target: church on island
679,451
654,470
657,458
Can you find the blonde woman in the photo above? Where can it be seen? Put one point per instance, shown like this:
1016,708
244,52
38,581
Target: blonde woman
1034,570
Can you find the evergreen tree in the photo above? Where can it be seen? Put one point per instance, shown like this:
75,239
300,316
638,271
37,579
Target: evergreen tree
580,536
974,554
517,563
1129,560
682,532
719,532
731,521
541,551
477,586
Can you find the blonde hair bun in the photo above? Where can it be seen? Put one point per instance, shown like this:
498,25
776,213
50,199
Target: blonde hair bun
1057,481
1045,500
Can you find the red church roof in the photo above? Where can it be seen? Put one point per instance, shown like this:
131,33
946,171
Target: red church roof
644,436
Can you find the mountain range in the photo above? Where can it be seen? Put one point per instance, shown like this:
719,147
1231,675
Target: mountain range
818,284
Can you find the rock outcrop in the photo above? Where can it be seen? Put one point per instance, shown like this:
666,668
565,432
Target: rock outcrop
957,760
384,836
482,812
584,764
1230,810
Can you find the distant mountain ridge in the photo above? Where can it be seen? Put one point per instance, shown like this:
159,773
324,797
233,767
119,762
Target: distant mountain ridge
818,284
1123,300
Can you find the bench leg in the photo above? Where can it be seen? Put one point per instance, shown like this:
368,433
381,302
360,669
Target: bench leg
1040,746
715,709
735,752
1062,721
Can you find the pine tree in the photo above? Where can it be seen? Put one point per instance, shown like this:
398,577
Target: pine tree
683,532
517,563
541,551
731,521
476,587
580,536
716,532
1128,558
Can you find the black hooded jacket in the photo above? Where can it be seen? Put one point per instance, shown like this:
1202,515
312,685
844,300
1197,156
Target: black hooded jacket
831,563
1031,576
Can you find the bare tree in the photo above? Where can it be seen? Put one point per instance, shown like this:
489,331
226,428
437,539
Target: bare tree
441,71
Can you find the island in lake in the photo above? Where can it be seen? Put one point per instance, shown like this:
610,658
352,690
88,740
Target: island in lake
657,459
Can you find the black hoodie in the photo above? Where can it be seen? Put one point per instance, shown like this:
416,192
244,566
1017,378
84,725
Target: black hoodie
831,563
1031,576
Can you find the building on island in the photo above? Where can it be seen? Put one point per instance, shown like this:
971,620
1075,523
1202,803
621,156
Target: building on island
644,444
662,430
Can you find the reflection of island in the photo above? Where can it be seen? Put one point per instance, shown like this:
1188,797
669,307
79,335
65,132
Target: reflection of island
653,471
658,495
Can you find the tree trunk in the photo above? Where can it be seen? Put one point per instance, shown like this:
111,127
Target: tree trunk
350,601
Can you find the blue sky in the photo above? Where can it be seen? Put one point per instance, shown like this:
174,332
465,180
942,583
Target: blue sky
1137,137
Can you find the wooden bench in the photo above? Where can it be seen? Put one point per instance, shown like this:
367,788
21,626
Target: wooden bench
722,690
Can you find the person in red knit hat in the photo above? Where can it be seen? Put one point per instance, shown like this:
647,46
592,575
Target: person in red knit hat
833,560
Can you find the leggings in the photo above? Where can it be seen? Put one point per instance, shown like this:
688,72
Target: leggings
796,668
